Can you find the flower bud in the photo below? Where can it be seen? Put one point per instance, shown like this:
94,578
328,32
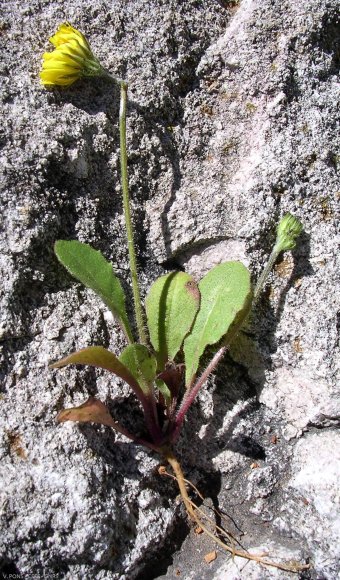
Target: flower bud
288,230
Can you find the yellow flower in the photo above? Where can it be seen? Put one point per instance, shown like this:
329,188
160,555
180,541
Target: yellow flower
71,59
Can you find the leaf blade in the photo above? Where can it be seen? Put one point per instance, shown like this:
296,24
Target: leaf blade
225,297
91,268
141,364
100,357
171,306
92,411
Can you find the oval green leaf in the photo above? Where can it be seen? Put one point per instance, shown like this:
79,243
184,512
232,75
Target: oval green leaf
171,306
90,267
225,300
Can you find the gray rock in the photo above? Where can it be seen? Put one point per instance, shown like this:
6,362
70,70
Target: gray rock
233,121
315,477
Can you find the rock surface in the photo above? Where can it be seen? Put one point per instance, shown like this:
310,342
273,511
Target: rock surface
233,121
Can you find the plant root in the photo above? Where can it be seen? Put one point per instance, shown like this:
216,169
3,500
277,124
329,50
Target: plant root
162,471
192,511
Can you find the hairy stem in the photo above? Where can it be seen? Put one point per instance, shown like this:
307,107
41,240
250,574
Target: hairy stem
137,440
139,312
264,275
192,393
193,390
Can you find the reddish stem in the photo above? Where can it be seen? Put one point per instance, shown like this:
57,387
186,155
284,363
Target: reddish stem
136,440
151,419
191,394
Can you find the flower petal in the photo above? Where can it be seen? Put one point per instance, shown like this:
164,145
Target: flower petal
71,59
57,77
65,33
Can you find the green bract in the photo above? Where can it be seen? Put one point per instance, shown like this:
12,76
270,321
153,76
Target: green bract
288,231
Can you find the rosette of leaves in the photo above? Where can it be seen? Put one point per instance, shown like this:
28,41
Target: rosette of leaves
183,319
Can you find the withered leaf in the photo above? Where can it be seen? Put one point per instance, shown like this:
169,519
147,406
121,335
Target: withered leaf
93,411
210,557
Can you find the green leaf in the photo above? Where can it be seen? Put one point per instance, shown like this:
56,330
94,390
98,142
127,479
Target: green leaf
90,267
98,356
161,386
171,307
225,301
141,364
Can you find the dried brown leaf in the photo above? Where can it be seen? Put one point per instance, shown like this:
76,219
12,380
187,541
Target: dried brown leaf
93,411
210,557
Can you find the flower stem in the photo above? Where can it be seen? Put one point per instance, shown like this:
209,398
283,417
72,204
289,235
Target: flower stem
139,313
191,394
264,275
193,388
288,230
137,440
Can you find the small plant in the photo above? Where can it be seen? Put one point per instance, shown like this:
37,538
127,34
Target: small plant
180,319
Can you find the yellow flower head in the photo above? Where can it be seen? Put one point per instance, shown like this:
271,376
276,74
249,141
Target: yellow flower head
71,59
